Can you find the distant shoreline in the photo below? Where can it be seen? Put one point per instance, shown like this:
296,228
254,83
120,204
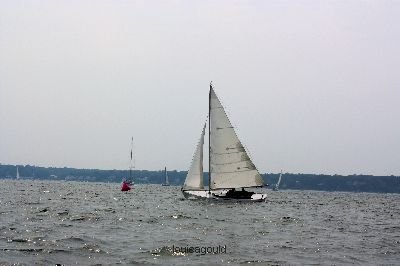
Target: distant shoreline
349,183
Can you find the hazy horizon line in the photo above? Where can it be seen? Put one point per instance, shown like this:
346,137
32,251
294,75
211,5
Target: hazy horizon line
171,170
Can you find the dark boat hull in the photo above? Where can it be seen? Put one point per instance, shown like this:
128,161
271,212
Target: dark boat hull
220,195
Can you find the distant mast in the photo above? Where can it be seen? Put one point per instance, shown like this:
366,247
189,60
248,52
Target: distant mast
166,176
165,182
131,174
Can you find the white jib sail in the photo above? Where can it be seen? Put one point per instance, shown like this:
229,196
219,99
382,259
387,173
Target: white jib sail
194,179
279,180
230,166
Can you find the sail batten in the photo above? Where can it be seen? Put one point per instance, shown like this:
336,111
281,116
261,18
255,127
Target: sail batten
229,163
223,153
233,172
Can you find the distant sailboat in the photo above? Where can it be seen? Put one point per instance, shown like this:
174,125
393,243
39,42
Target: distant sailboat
17,174
166,182
127,183
276,187
230,167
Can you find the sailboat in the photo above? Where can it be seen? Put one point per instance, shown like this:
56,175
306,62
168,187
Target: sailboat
127,183
230,168
276,187
165,183
17,177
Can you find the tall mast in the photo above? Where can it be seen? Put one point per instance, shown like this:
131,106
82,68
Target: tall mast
209,139
165,175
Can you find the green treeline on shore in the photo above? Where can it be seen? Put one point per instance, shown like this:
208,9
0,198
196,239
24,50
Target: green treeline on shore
353,183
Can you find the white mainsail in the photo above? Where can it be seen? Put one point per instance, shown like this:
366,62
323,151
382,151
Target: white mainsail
194,178
17,173
230,166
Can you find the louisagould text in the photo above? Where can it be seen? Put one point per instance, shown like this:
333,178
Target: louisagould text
200,250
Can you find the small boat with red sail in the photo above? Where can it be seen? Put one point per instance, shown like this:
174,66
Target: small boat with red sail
127,184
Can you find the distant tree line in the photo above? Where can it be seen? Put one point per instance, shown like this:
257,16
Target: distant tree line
353,183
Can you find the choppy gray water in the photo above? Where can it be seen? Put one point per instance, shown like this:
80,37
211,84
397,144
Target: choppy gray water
48,222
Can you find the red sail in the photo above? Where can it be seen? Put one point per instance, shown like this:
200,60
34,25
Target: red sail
125,186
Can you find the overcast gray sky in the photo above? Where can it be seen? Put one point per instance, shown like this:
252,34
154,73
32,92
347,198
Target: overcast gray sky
312,86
